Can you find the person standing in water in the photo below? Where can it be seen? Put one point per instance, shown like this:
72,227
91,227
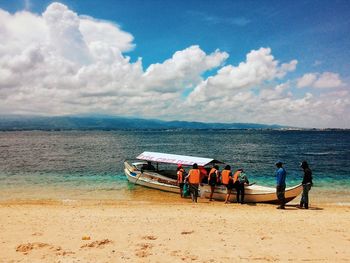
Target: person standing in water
280,184
213,180
180,178
227,180
307,183
194,179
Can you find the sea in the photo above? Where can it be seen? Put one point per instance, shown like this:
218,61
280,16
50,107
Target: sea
88,165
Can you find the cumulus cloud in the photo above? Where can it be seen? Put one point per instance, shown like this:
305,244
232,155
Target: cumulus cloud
307,80
328,80
259,66
60,63
320,80
64,35
183,69
71,64
280,106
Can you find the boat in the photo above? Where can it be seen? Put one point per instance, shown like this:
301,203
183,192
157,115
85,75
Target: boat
253,193
163,177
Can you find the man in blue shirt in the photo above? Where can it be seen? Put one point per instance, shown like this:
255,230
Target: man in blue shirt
280,184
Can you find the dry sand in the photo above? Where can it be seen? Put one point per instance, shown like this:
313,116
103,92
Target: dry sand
171,231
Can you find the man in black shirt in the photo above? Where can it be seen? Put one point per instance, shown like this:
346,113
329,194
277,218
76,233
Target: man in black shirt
307,183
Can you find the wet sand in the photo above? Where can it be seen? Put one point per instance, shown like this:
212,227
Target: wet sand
168,229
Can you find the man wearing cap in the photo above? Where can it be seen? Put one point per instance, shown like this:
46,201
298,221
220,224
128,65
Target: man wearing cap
280,184
307,183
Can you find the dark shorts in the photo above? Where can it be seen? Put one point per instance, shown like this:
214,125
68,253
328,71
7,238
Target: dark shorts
181,185
280,191
236,185
194,188
229,186
212,182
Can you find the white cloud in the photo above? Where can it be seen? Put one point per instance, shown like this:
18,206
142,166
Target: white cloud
278,92
105,33
72,64
317,80
65,36
60,62
328,80
260,66
307,80
182,70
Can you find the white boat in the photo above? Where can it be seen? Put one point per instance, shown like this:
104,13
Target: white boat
160,178
163,178
253,193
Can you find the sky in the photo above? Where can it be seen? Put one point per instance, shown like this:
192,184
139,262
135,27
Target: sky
269,62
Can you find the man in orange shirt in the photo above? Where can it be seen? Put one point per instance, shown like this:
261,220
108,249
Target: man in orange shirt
226,178
194,179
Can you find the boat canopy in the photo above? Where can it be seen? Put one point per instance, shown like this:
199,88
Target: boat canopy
175,159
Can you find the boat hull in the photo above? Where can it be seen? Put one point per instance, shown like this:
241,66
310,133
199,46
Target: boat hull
253,193
150,180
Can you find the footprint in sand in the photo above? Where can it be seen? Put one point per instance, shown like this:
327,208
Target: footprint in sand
26,248
97,244
189,257
184,255
149,237
175,253
187,232
144,250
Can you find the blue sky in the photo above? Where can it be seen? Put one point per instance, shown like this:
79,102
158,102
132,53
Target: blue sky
316,34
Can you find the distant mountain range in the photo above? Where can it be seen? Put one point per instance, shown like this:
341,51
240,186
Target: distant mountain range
15,123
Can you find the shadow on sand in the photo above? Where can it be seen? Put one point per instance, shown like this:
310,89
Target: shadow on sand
296,207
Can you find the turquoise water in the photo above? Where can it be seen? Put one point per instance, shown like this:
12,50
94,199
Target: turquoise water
40,164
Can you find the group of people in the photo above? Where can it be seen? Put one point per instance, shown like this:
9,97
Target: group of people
237,181
198,175
281,184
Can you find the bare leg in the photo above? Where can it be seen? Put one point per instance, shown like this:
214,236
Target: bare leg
212,188
228,196
196,193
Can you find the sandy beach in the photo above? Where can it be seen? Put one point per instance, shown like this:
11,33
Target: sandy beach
171,230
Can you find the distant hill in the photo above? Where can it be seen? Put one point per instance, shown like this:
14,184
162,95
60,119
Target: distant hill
15,123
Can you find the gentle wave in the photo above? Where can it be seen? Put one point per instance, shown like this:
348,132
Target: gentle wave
321,153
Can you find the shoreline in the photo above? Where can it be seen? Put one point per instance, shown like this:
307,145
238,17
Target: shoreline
40,195
172,201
